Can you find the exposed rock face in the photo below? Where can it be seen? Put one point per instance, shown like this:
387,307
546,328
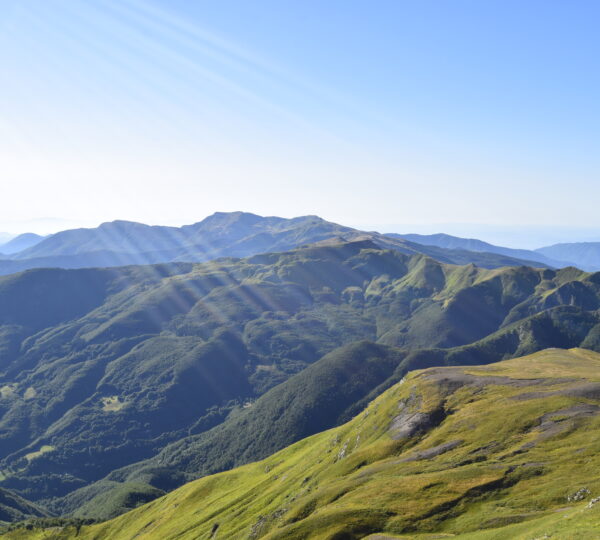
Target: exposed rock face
433,452
408,424
412,421
585,390
560,421
579,495
342,452
450,380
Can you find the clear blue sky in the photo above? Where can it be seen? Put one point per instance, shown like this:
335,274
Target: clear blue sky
364,112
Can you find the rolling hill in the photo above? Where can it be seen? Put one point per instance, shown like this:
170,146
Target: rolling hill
508,450
103,369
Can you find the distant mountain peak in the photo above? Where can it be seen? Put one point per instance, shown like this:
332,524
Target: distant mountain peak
231,216
20,242
121,223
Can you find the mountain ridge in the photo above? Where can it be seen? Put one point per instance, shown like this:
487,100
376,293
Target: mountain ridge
585,254
230,234
20,243
472,244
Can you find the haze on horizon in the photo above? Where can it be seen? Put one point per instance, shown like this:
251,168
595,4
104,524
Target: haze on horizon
476,115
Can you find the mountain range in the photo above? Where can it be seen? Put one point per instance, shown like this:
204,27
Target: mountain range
121,384
586,254
447,241
239,234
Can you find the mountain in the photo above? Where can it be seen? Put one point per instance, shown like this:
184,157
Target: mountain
447,241
117,236
235,234
450,256
102,369
585,255
20,243
481,452
15,508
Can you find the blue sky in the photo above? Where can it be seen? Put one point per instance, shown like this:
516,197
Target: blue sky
368,113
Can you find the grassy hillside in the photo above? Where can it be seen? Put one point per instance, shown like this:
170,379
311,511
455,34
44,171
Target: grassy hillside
509,450
101,369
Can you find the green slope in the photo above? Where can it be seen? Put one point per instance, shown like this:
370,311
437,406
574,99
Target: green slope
102,368
509,450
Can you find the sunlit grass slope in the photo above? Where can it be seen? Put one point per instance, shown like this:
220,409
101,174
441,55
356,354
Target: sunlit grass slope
510,450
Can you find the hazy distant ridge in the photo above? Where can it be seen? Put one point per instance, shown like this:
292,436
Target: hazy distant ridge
20,243
233,234
447,241
585,254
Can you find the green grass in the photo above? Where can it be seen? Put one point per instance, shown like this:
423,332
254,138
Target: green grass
506,476
44,449
112,404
